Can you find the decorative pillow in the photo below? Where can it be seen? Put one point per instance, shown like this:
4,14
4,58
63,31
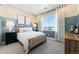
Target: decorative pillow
29,29
17,30
26,29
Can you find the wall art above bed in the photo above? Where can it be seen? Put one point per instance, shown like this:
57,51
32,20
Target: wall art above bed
24,21
21,20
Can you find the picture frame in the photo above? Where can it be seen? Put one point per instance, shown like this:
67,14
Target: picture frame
21,19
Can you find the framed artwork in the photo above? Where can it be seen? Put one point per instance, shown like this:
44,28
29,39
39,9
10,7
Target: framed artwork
28,21
21,20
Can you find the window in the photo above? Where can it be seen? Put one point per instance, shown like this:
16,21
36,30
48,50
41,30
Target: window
49,23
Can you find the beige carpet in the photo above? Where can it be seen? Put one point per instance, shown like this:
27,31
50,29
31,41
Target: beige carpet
14,48
50,47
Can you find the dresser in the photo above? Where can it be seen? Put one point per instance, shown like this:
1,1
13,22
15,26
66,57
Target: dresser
11,37
71,43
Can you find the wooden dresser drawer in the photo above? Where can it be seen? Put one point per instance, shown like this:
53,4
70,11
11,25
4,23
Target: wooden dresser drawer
77,47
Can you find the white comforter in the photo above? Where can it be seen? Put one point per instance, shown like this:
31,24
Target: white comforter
24,36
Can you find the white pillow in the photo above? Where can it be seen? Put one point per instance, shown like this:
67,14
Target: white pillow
27,29
22,29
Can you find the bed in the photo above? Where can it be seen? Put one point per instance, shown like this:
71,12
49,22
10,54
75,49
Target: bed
31,39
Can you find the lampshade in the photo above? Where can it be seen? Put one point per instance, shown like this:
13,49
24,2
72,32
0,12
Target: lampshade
34,25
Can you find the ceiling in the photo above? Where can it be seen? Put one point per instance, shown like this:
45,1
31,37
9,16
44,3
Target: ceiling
36,9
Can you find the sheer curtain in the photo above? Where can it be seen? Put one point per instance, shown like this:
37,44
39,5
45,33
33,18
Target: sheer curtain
60,33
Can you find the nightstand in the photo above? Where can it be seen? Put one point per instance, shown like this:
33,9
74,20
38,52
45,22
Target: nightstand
10,37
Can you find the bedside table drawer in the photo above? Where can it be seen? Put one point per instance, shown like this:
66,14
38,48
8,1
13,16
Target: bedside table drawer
11,37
